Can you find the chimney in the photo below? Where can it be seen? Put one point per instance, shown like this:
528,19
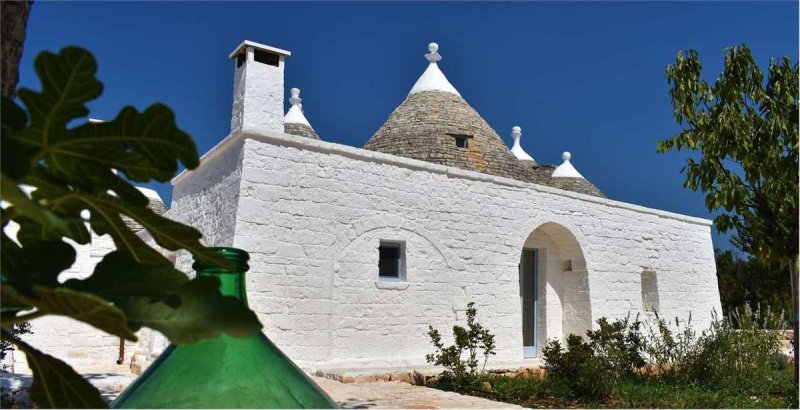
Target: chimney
257,87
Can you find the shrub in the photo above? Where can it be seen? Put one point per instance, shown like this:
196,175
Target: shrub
737,352
620,344
459,374
668,349
577,368
739,359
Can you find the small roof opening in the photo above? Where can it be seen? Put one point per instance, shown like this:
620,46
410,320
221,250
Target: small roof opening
265,57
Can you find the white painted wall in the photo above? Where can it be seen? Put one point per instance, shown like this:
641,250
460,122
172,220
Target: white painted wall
79,344
257,95
311,214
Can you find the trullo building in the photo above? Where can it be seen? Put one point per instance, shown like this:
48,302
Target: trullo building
356,250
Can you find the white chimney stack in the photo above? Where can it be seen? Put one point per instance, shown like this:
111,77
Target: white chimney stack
257,87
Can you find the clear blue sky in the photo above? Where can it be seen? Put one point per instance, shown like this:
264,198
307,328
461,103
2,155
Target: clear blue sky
583,77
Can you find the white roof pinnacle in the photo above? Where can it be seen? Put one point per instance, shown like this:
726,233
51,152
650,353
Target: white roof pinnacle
433,79
566,170
516,133
295,113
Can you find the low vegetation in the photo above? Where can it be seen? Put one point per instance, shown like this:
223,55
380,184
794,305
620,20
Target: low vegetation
625,363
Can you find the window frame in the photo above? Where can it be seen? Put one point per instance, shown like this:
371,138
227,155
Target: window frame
461,137
401,260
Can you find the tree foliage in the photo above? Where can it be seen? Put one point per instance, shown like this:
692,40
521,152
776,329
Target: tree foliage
52,173
746,131
752,282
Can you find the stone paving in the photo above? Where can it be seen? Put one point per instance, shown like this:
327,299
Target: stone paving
400,395
374,395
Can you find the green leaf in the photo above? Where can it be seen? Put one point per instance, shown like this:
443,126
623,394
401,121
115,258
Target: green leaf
30,267
144,146
23,205
81,306
13,300
55,384
118,276
196,312
68,82
15,159
105,218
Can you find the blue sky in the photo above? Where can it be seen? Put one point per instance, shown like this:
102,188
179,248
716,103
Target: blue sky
583,77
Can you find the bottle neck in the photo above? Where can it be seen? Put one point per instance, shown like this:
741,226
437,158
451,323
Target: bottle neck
230,283
232,277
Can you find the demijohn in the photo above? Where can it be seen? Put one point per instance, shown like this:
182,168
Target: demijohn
224,372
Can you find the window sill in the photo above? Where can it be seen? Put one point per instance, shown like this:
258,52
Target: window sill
391,285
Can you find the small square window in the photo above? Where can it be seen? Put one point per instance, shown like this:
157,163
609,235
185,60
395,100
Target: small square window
391,261
462,141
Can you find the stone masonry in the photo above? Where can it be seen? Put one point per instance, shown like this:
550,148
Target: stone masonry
312,213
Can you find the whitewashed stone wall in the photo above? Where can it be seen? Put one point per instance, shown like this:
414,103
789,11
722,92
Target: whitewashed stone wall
311,214
79,344
209,200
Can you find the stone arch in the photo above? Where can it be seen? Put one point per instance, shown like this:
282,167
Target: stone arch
564,304
367,315
361,226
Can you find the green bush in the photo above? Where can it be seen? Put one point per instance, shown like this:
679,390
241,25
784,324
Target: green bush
735,363
738,352
577,368
620,343
460,374
739,359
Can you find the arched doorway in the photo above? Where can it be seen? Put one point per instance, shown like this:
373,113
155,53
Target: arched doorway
554,287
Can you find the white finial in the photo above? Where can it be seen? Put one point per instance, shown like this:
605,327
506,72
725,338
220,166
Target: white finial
516,149
433,79
295,98
566,169
433,56
295,114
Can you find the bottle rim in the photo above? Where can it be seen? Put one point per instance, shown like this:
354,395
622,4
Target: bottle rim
237,257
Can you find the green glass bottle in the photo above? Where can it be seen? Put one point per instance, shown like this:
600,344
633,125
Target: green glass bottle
225,372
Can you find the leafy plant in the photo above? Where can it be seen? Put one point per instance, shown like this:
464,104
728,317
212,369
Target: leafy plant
746,131
52,174
669,345
584,374
469,341
620,343
738,357
737,352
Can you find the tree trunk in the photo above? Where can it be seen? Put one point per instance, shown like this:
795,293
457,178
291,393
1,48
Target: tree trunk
13,22
793,273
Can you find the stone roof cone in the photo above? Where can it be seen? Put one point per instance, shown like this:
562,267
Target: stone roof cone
295,121
435,124
565,176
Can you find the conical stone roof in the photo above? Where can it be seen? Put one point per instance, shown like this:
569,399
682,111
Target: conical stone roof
435,124
547,175
295,122
428,125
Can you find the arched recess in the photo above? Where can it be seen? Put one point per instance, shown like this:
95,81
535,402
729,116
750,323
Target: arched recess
562,302
376,324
